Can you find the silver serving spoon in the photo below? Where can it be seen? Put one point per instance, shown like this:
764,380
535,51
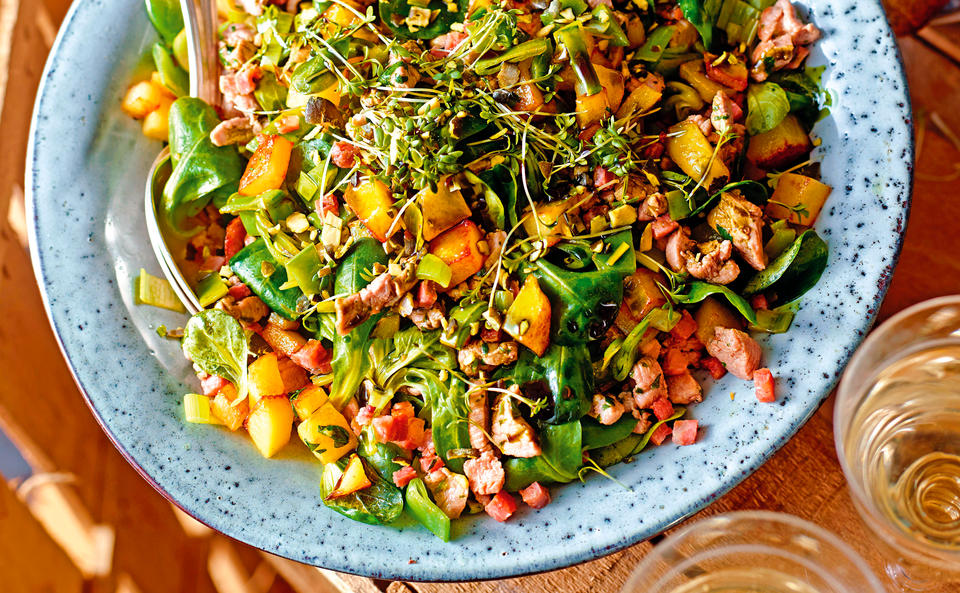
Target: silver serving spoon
200,23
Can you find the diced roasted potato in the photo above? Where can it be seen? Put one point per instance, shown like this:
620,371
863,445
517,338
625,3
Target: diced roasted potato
309,401
640,100
640,296
142,98
592,108
551,221
798,198
267,167
156,123
372,202
636,32
713,314
225,407
269,424
781,146
612,82
528,318
327,433
352,479
691,151
458,247
294,376
441,209
263,378
693,72
530,97
730,73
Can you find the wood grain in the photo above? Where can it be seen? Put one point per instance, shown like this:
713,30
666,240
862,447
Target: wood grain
42,410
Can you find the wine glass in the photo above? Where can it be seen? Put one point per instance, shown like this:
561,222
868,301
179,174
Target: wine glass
897,431
755,552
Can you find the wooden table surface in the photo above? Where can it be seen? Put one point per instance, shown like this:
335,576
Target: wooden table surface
155,550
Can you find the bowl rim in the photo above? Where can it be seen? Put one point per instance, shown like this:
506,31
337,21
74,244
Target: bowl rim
554,561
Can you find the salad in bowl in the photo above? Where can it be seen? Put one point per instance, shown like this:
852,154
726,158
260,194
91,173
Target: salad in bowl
468,251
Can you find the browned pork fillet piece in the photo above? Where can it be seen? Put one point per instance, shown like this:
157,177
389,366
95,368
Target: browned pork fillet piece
384,291
478,355
712,263
510,431
236,130
478,419
782,37
649,384
449,490
250,309
485,474
606,409
684,389
743,221
738,352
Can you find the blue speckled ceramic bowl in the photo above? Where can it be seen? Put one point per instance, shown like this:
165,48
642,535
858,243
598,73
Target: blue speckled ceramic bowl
85,175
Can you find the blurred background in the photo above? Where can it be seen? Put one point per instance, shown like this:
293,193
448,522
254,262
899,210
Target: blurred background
75,516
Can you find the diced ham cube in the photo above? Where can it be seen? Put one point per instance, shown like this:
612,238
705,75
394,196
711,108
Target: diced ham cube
602,178
239,291
663,225
330,203
233,239
660,434
535,495
501,506
685,432
677,361
365,415
714,366
212,384
288,124
402,410
764,384
759,302
343,154
686,327
389,428
415,434
313,357
662,408
402,476
426,294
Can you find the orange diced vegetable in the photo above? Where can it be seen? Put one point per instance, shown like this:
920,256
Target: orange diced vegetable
263,377
372,202
592,108
528,318
552,221
267,167
612,82
353,478
458,248
141,99
156,123
270,423
225,407
712,314
309,401
691,151
798,198
781,146
441,209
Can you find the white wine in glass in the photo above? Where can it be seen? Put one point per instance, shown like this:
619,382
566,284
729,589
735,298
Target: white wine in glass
897,425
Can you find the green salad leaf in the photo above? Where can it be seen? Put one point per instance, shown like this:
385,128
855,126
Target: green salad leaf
563,373
377,504
700,290
767,105
795,271
201,171
351,361
421,20
216,342
560,462
596,435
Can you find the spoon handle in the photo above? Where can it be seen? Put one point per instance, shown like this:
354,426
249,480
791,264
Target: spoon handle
200,22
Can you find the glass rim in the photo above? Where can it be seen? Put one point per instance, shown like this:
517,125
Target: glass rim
794,522
843,412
